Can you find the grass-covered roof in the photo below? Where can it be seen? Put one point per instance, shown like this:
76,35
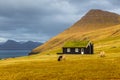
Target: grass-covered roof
76,44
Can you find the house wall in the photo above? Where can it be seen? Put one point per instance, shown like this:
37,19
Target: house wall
92,47
72,50
89,49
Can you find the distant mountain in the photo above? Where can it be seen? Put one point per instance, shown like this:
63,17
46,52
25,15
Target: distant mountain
95,25
1,43
13,45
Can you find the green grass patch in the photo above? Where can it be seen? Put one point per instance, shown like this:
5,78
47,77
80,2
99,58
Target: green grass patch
76,44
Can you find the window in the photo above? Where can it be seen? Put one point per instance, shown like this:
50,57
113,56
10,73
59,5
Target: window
68,49
76,50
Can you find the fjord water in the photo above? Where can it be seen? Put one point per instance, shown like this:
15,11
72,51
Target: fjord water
13,53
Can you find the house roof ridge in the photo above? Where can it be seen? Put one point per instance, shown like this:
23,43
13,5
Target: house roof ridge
88,43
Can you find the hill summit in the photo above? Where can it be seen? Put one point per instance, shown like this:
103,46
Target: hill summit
98,18
93,20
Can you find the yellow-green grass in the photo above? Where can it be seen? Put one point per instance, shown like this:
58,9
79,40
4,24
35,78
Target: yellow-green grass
75,67
45,66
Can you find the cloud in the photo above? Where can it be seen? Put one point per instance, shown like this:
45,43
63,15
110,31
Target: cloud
40,20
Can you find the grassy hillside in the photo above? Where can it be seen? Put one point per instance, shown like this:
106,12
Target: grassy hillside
96,25
104,39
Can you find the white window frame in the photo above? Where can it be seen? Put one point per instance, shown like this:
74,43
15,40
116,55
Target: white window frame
76,50
68,50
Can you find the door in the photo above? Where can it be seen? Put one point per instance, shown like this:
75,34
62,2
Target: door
82,50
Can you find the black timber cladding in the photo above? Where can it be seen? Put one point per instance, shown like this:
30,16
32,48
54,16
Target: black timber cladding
88,49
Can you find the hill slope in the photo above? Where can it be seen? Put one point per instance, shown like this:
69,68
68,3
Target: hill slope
96,25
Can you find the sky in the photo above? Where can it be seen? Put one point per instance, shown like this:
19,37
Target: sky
40,20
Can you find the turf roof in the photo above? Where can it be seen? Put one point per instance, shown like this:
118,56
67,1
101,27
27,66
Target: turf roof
76,44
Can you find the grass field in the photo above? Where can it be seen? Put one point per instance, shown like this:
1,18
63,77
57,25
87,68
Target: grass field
75,67
45,66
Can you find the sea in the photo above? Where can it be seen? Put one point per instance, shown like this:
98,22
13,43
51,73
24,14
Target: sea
13,53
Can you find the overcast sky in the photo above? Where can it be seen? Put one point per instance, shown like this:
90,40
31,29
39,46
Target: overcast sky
39,20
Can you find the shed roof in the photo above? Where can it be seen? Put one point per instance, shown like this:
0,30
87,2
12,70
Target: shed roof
76,44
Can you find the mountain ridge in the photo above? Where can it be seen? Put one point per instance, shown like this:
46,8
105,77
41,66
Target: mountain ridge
14,45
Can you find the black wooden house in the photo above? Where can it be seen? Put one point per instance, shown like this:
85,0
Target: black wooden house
78,47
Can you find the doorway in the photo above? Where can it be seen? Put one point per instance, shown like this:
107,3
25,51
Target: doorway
82,50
